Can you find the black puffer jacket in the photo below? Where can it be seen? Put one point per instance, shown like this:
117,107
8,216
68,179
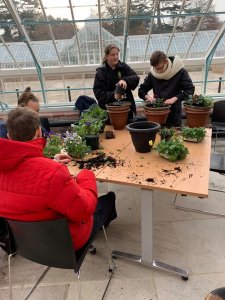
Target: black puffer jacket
106,80
180,86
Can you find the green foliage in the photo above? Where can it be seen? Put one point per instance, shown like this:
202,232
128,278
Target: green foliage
95,112
91,121
196,134
53,146
200,100
173,149
85,128
166,133
159,102
75,146
114,11
29,10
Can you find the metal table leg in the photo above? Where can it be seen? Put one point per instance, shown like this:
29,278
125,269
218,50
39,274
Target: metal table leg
147,201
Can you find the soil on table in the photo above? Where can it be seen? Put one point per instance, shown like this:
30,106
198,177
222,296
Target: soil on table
99,161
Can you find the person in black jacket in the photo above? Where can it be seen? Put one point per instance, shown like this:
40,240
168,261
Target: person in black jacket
112,73
170,81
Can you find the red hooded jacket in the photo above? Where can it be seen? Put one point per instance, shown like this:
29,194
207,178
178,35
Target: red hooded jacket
35,188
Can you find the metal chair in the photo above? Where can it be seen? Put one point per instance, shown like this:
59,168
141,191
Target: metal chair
218,119
217,164
49,243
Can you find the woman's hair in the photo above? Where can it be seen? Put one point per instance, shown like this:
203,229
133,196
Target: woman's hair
26,96
107,51
22,124
157,57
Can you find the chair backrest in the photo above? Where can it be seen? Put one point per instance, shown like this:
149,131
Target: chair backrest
218,114
45,242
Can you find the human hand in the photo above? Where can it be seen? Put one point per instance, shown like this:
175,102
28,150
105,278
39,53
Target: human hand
123,84
149,98
171,100
63,158
74,176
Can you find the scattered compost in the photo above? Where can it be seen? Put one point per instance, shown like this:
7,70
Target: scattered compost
99,161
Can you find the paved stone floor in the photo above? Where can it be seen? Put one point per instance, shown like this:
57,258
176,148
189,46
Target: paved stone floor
188,240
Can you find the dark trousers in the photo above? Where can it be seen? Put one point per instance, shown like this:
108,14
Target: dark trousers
105,212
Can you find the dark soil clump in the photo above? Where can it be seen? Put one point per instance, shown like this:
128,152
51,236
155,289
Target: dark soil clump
98,161
150,180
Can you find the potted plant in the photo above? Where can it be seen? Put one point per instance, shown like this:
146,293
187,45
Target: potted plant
197,108
75,146
166,133
54,144
118,113
97,114
157,111
173,150
195,134
89,131
143,135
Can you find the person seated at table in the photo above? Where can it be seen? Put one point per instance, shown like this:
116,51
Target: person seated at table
27,99
169,80
35,188
115,80
218,294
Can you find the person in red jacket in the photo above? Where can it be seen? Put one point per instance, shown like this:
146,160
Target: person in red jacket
35,188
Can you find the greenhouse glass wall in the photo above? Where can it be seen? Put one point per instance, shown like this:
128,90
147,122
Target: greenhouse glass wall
56,46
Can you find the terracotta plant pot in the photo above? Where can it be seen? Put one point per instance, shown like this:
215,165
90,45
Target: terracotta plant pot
118,118
118,105
143,135
197,116
156,114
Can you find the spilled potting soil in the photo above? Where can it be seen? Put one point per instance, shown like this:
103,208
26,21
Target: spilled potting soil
99,161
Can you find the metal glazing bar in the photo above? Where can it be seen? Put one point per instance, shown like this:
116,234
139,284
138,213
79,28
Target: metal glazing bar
100,31
9,51
126,29
76,32
51,32
11,7
210,54
175,27
198,28
150,29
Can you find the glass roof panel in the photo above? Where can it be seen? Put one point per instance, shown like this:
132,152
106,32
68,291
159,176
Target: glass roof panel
72,32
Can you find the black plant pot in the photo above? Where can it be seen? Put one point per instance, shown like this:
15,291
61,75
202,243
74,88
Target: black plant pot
92,141
142,133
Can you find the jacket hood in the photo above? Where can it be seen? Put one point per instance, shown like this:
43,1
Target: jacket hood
12,153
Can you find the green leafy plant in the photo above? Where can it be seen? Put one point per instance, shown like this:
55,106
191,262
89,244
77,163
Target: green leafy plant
173,149
95,112
166,133
199,100
86,128
195,134
75,146
54,145
159,102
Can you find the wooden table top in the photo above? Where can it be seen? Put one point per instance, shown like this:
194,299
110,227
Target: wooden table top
151,171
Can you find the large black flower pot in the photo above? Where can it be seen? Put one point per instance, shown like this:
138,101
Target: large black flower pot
92,141
143,135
